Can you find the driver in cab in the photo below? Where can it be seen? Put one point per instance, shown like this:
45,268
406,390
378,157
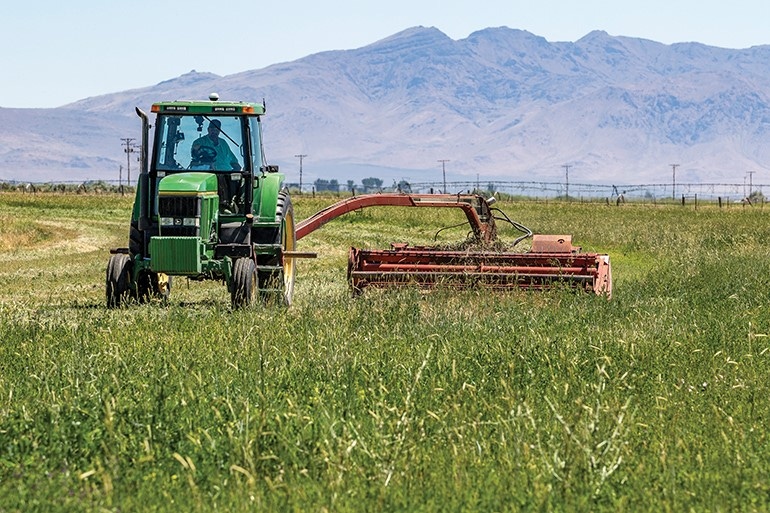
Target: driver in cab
211,152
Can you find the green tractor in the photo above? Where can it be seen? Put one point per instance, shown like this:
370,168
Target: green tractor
207,207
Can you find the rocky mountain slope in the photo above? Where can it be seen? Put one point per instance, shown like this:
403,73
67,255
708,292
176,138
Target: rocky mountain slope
501,104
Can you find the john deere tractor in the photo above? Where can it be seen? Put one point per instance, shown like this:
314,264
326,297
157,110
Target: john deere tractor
207,207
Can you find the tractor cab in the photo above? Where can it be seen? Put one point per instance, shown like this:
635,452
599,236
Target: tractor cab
193,138
207,206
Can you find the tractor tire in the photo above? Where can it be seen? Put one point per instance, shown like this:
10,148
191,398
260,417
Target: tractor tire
118,280
278,285
244,286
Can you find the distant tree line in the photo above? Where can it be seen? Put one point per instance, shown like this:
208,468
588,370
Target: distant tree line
373,184
92,187
368,185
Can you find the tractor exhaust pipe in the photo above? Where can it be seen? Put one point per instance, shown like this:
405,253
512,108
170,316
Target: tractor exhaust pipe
144,181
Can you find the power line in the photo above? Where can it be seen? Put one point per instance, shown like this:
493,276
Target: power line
443,171
300,157
130,148
673,180
566,183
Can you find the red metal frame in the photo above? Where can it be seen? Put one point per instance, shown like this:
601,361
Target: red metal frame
475,207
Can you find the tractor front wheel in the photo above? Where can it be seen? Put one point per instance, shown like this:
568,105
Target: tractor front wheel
118,279
244,286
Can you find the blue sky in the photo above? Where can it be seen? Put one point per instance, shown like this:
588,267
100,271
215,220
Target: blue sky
55,52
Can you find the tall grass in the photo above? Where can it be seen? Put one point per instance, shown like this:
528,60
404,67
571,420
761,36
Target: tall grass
394,400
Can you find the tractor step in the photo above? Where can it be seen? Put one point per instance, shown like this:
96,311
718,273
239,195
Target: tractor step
267,249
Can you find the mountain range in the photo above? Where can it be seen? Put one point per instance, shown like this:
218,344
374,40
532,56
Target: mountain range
501,104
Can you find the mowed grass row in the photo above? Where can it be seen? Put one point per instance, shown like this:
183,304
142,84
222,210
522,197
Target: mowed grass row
394,400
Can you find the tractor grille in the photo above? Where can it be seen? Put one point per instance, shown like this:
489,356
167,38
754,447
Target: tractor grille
180,231
179,206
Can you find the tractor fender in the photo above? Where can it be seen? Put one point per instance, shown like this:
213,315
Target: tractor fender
267,197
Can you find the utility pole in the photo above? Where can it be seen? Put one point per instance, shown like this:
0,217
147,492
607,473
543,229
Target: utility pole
443,171
673,181
751,182
128,142
566,181
300,157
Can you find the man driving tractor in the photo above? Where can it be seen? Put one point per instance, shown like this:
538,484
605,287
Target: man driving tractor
211,152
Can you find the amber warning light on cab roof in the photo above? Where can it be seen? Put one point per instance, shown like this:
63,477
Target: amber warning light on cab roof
204,109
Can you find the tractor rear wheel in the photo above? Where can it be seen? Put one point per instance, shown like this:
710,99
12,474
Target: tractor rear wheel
279,284
118,279
244,285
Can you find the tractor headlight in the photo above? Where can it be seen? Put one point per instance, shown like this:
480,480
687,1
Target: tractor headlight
191,221
167,221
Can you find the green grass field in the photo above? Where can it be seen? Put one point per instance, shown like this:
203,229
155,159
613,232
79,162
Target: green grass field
395,400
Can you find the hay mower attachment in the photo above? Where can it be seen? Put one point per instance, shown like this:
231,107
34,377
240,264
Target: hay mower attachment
551,262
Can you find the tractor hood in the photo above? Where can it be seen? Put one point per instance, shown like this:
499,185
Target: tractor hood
188,183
